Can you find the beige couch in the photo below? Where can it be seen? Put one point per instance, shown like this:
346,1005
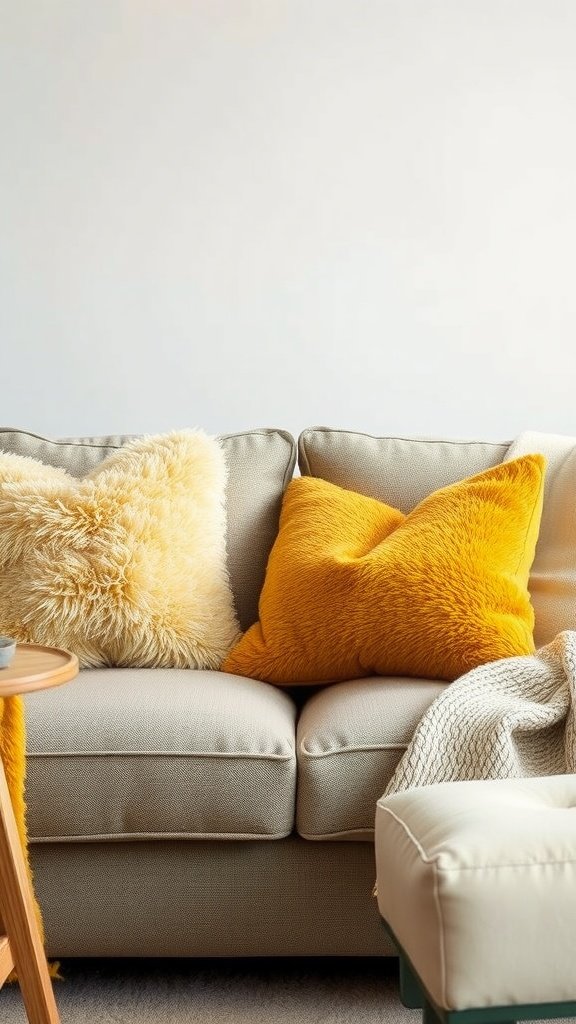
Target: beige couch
182,813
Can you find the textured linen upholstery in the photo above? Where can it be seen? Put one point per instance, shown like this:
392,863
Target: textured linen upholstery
350,738
260,463
78,455
160,752
397,470
478,882
286,898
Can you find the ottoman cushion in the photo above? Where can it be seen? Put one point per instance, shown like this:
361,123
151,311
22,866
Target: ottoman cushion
477,880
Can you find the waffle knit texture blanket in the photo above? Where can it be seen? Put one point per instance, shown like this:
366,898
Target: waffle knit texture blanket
507,719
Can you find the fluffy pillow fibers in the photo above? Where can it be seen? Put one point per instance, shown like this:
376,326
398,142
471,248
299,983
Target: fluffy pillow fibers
126,566
356,588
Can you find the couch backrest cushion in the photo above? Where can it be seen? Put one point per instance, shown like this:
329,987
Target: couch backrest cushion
260,464
400,471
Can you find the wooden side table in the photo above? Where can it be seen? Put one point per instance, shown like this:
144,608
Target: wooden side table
33,668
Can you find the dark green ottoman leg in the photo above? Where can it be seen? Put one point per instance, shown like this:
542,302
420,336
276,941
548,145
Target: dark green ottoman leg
410,991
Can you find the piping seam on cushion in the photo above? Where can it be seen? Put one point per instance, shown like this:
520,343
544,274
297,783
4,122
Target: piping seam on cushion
120,837
232,755
350,750
323,836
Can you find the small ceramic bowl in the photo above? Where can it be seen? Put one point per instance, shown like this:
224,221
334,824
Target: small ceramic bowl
7,650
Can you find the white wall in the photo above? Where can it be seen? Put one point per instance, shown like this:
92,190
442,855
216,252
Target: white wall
232,213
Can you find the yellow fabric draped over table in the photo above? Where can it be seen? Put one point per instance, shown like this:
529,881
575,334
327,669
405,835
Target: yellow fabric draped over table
13,755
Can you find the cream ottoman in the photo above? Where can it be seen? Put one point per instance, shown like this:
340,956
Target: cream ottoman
477,887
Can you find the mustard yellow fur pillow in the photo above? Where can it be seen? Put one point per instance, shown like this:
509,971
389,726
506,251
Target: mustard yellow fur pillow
355,588
126,566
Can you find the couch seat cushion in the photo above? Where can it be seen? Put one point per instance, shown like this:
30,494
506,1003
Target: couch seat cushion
146,753
350,738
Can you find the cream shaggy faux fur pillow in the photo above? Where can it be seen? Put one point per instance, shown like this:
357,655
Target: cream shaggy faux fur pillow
126,566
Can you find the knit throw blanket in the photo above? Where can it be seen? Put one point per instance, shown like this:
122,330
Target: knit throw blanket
511,718
13,756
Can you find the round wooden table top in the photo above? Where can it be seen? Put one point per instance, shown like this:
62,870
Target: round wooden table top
34,667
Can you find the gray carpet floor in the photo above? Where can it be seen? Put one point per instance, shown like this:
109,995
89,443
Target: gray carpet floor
223,992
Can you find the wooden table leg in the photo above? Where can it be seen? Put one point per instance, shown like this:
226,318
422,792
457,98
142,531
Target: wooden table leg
24,946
